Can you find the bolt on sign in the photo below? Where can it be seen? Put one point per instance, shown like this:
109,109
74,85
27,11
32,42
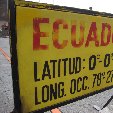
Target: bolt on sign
59,54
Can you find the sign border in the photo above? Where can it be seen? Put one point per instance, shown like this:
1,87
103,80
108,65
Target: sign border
14,57
14,60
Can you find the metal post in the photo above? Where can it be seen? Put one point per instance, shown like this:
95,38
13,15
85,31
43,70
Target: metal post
90,8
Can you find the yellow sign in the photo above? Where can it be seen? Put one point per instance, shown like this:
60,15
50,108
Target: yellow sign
61,56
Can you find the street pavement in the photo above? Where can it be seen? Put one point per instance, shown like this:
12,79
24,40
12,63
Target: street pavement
6,91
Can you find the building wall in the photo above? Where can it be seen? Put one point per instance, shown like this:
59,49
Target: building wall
3,9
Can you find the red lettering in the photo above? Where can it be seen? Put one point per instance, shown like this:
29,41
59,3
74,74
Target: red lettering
76,42
104,26
73,35
92,31
55,37
37,34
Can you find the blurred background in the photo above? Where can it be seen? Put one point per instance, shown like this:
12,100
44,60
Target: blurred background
3,10
4,18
